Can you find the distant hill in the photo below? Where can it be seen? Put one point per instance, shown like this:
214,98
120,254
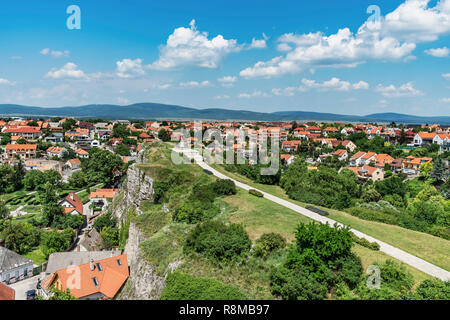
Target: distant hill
172,112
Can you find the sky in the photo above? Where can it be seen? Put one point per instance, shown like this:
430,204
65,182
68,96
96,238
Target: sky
350,56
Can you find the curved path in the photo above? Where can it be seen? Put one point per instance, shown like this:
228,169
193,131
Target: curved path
392,251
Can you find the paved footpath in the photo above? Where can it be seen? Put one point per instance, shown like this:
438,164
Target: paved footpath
392,251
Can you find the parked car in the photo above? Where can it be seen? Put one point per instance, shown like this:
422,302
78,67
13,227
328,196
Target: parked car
31,294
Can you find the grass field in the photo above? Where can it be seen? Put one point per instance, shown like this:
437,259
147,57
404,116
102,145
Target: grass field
37,256
432,249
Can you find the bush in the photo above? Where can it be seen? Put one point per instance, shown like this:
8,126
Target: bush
296,284
224,187
351,270
366,243
434,290
104,221
181,286
195,211
255,193
218,242
267,243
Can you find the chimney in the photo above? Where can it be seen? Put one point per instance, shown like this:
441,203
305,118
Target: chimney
71,195
92,265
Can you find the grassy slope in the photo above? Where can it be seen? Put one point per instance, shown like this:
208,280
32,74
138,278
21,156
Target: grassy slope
433,249
258,215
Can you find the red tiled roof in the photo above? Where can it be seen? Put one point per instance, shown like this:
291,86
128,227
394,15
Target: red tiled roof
6,293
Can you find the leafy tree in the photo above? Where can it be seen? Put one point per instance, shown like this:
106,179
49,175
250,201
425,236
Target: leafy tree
61,295
104,221
439,171
54,241
218,242
33,179
268,243
78,180
164,135
224,187
4,211
391,185
110,237
101,165
122,150
48,198
21,238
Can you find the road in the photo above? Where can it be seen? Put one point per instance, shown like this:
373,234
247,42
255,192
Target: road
392,251
23,286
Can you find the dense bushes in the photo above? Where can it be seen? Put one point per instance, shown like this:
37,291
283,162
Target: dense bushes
268,243
325,187
224,187
181,286
319,261
366,243
254,172
218,242
433,290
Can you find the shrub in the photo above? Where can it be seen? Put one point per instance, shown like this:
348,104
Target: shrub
255,193
366,243
267,243
181,286
218,242
297,284
351,270
195,211
224,187
434,290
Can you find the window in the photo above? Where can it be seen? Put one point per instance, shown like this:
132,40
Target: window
119,262
99,267
94,279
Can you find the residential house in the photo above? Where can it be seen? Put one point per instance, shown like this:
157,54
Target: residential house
23,151
73,164
443,140
99,279
356,159
29,133
424,139
82,153
72,204
287,159
369,157
55,137
341,154
397,165
14,267
290,146
383,159
411,165
56,152
365,173
43,165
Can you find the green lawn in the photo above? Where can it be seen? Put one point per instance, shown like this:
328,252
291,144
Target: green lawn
432,249
37,256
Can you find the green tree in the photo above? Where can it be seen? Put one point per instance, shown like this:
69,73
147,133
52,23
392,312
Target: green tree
164,135
439,171
4,211
110,237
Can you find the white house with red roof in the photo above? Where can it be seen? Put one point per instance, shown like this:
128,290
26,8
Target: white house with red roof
72,204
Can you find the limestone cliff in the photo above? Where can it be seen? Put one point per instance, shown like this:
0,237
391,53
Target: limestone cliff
143,283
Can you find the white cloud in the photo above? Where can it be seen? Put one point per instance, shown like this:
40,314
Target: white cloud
445,100
55,53
6,82
394,40
190,47
254,94
438,52
259,44
227,81
195,84
446,76
222,97
69,71
128,68
405,90
334,84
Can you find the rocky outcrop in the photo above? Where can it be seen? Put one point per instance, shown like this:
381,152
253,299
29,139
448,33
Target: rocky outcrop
143,283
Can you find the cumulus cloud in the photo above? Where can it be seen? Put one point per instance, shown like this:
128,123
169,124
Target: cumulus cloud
259,43
55,53
405,90
438,52
446,76
445,100
6,82
195,84
128,68
334,84
190,47
68,71
393,38
254,94
227,81
222,97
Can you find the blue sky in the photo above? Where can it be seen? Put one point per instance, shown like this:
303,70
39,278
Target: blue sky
321,55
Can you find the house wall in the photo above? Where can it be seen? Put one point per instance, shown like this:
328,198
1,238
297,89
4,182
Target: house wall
17,274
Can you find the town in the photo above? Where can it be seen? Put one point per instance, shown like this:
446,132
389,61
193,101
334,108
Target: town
59,178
